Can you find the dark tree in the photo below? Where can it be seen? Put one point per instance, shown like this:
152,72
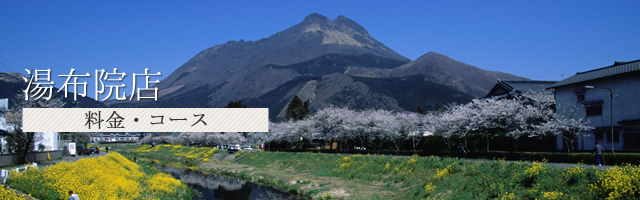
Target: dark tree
420,110
297,109
23,142
438,107
235,104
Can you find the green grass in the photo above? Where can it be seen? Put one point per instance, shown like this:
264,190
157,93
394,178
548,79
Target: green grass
319,175
618,158
452,178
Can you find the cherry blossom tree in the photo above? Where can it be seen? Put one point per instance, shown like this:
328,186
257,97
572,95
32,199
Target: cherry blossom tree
192,139
197,139
330,123
456,122
566,122
370,124
415,125
512,118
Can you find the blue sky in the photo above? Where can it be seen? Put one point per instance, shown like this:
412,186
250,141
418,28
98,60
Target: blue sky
535,39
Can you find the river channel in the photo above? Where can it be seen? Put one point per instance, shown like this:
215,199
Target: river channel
223,188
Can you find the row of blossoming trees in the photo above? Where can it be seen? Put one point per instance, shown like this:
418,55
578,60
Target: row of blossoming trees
527,116
197,139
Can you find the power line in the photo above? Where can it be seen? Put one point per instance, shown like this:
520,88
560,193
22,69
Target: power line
6,67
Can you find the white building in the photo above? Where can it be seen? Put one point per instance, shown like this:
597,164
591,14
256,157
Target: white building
50,140
115,137
591,91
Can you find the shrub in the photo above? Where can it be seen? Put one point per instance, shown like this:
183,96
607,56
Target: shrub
574,175
618,183
532,173
429,188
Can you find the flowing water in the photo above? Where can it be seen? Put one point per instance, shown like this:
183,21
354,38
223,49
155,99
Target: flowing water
220,187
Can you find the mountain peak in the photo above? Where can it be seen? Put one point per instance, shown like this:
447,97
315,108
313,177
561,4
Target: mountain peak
432,55
315,36
464,77
316,22
348,23
316,18
340,31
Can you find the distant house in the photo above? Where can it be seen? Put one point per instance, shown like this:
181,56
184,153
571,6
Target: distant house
510,89
115,137
591,92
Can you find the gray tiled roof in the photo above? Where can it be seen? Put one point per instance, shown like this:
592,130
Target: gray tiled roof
507,88
526,86
615,69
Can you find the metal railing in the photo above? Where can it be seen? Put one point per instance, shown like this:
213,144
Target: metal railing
4,174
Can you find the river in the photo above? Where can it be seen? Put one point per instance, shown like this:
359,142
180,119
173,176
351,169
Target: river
223,188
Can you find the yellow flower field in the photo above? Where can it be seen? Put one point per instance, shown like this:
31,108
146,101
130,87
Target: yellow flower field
190,155
107,177
7,194
164,184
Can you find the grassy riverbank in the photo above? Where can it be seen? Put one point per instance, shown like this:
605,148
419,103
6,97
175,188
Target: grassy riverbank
107,177
325,176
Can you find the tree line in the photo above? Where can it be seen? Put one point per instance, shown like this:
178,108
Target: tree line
531,116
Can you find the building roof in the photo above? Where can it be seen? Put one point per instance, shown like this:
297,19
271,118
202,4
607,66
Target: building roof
616,69
506,88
